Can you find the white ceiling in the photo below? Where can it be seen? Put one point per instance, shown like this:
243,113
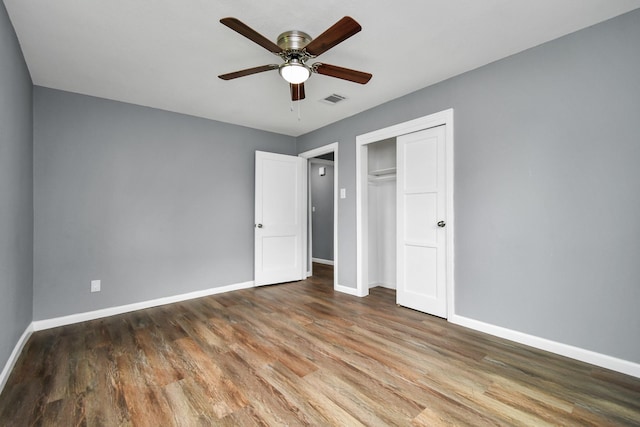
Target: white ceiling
167,54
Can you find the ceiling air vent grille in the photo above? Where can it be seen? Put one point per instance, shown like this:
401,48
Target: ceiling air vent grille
333,99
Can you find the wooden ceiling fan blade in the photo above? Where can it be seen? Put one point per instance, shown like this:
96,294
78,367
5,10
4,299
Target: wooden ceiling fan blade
342,73
248,71
297,91
337,33
243,29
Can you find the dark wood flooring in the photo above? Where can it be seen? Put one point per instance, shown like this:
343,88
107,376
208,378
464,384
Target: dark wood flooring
301,354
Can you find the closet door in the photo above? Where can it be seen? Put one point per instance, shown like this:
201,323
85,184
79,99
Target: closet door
421,210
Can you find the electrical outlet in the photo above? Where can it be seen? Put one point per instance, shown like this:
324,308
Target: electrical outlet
95,286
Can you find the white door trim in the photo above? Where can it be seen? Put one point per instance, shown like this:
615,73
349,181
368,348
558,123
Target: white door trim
437,119
325,149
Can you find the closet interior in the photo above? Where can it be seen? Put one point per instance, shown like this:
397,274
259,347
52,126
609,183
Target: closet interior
381,188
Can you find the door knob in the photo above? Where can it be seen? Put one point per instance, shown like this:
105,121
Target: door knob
258,225
441,224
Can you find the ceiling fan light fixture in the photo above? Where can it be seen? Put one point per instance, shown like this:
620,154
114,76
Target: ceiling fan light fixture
294,71
295,48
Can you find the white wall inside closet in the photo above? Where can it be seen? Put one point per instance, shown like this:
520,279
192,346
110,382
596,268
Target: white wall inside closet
382,213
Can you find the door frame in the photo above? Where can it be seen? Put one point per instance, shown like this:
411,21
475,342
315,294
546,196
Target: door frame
362,217
310,203
308,155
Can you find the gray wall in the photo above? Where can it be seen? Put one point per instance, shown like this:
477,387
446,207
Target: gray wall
16,191
152,203
547,203
322,219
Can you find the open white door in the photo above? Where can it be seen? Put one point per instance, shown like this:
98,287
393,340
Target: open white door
279,218
421,216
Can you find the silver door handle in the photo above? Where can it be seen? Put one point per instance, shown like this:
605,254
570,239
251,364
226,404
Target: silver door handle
258,225
441,224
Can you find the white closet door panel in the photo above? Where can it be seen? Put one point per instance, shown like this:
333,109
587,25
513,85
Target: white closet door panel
421,165
420,210
421,204
420,277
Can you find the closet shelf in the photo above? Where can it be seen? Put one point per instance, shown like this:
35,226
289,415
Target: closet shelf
382,172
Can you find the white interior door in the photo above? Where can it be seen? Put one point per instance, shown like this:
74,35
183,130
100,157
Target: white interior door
279,218
421,211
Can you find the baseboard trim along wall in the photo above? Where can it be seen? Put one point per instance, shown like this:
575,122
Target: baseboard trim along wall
347,290
322,261
39,325
588,356
13,357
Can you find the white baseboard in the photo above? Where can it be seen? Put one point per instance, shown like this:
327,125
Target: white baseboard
383,285
588,356
347,290
39,325
322,261
13,357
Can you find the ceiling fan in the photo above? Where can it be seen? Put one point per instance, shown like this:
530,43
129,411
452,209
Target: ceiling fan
296,48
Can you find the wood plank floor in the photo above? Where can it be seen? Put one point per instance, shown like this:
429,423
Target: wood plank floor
301,354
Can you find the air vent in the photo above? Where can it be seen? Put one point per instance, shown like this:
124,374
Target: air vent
333,99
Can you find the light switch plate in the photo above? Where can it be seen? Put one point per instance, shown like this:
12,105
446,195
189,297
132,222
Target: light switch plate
343,193
95,286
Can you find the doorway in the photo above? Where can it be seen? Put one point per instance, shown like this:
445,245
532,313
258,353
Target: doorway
399,132
321,208
317,159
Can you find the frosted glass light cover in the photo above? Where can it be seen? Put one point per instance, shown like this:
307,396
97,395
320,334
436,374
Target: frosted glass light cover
295,73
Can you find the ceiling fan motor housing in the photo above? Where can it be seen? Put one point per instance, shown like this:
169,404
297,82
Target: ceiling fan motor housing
293,40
